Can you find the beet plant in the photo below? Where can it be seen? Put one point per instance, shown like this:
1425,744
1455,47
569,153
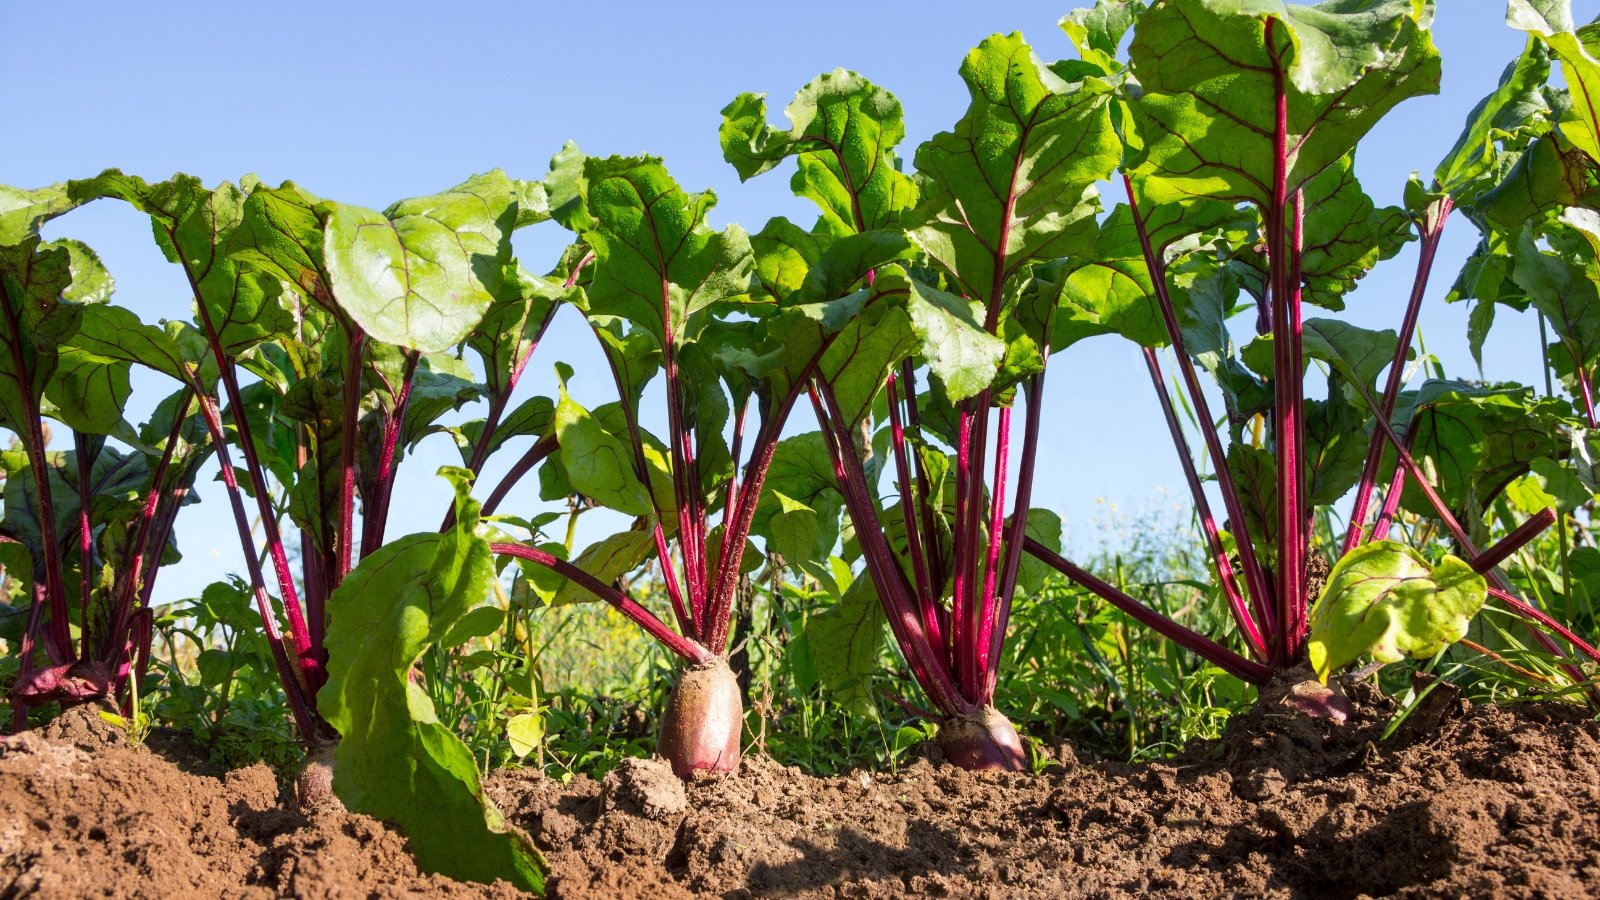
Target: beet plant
319,351
86,530
1241,125
677,304
1006,200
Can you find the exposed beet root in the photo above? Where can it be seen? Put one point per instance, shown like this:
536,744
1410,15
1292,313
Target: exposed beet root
314,784
986,741
1299,690
704,721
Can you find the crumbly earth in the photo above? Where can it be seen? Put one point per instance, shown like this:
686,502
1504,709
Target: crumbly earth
1484,801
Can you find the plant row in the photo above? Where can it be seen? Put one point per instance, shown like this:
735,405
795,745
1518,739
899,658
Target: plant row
913,320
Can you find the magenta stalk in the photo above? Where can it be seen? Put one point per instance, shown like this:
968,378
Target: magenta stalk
1432,231
1245,669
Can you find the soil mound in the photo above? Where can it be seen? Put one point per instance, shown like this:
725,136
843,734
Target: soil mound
124,822
1487,801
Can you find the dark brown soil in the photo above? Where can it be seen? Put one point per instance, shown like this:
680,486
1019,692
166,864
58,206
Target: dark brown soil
1487,801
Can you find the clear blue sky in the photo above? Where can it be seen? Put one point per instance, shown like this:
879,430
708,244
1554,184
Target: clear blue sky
369,102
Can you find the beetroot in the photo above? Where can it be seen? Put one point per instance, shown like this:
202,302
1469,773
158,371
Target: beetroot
704,721
984,741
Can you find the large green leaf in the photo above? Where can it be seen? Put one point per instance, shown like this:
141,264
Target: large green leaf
396,760
1499,128
195,226
423,273
845,640
37,321
1111,291
1577,49
656,261
1472,440
844,131
1345,235
1013,183
1384,600
1213,72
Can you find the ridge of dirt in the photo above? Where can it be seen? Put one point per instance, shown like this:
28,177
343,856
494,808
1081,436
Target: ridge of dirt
1488,801
1461,801
84,814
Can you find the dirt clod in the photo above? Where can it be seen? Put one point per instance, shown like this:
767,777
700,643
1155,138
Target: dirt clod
84,727
645,787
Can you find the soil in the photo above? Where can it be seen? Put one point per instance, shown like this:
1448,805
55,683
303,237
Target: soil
1460,801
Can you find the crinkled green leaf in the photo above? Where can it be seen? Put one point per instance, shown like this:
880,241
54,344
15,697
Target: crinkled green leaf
1498,128
1383,600
195,227
1212,71
1098,30
1013,183
1473,440
844,131
1345,235
1577,49
656,261
953,342
33,280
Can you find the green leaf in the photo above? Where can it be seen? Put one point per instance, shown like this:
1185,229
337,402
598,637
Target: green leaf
1471,441
1576,48
656,261
607,560
1499,128
952,340
35,285
1384,600
845,639
858,358
844,131
23,211
1098,31
800,483
1212,70
423,273
1014,182
1548,483
525,732
1359,354
396,760
794,528
479,623
196,227
513,324
1111,291
599,464
1561,285
1345,235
